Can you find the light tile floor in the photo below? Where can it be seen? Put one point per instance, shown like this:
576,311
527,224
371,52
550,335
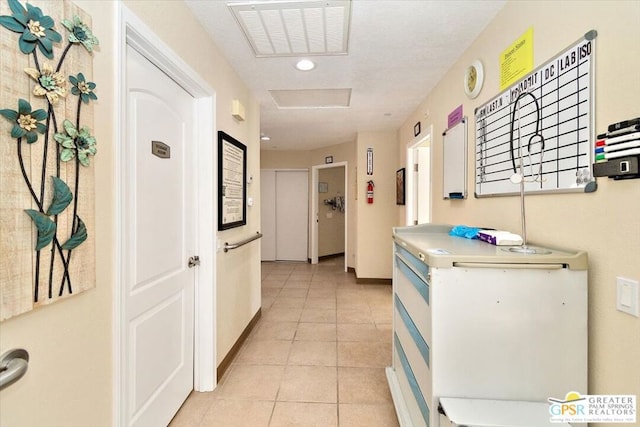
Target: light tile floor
315,358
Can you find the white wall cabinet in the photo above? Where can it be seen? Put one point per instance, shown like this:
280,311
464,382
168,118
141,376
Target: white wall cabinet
472,320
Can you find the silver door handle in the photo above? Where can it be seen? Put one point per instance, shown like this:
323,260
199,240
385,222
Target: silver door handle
13,365
193,261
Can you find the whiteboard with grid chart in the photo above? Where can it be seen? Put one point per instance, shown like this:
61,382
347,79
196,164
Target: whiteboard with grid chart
541,127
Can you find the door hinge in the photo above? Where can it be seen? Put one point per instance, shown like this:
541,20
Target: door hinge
194,261
415,167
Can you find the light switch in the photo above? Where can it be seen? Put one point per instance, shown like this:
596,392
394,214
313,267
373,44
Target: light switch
627,296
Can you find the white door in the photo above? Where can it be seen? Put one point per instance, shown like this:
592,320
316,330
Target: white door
268,214
424,185
419,179
159,219
292,215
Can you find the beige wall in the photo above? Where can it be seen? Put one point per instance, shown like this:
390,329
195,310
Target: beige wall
70,377
570,220
330,219
375,221
270,159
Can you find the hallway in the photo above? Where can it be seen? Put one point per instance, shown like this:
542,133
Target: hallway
315,358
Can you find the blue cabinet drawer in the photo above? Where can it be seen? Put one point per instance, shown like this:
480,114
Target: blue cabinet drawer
413,261
417,280
417,403
404,322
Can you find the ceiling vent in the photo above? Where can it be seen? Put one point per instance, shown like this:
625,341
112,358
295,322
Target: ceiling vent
312,98
292,28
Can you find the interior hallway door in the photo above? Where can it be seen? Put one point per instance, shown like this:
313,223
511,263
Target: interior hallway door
423,191
159,217
285,215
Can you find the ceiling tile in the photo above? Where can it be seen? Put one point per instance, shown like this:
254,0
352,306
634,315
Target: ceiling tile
312,98
295,28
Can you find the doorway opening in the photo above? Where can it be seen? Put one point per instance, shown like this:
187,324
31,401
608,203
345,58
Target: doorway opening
419,179
329,214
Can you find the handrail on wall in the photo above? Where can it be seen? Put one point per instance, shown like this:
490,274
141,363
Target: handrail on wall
229,246
13,365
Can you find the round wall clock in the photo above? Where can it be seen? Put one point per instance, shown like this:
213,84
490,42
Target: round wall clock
473,79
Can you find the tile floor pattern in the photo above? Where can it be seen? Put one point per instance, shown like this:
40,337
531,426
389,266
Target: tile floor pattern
315,358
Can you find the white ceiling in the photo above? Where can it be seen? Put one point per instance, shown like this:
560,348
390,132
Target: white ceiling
398,50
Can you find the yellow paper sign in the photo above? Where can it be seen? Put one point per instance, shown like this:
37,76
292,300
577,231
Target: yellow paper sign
516,61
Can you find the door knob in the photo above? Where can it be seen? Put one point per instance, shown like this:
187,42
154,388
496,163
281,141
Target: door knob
194,261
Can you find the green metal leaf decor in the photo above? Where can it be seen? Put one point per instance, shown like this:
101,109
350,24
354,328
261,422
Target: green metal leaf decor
10,23
51,134
9,114
16,7
62,197
77,238
45,226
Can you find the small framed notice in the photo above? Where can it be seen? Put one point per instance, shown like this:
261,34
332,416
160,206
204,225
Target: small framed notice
232,185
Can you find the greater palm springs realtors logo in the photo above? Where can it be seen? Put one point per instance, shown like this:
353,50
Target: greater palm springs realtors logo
593,408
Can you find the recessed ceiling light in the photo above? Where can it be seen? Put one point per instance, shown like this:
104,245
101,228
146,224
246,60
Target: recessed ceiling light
265,138
305,65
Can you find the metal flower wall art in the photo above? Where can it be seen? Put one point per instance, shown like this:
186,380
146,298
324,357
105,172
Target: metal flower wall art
51,145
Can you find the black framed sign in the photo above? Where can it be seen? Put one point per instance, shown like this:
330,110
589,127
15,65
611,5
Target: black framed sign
232,183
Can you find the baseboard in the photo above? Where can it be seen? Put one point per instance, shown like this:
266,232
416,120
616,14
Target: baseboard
325,257
226,362
367,281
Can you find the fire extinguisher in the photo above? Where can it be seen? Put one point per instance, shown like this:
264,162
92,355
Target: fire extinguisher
370,192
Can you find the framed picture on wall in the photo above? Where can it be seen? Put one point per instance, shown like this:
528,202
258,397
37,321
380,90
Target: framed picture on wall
232,183
400,187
